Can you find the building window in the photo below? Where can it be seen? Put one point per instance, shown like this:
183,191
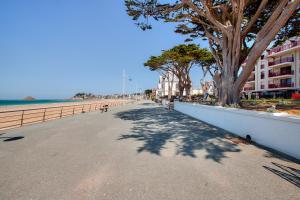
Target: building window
262,66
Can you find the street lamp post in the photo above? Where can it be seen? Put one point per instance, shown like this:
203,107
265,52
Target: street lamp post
124,83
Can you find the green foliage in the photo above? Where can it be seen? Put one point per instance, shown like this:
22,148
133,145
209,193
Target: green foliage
187,54
84,95
155,63
148,92
176,11
292,28
179,60
195,25
180,56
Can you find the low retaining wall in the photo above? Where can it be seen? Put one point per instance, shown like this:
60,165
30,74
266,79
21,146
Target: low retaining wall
281,133
165,103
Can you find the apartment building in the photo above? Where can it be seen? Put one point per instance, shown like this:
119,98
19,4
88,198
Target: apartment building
277,71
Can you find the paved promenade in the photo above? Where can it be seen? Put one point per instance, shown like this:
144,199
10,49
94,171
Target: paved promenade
136,152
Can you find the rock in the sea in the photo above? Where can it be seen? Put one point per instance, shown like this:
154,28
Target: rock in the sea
29,98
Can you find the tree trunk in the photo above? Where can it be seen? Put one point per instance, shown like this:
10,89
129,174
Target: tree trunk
181,88
227,91
188,92
231,82
187,88
228,95
169,90
186,82
171,87
169,96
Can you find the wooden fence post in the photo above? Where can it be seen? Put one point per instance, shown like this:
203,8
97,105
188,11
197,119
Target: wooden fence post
22,117
61,112
44,116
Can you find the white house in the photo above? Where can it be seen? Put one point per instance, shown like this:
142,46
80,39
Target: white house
168,83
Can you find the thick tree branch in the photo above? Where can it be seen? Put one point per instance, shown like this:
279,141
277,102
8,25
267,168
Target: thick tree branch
254,18
266,28
169,9
207,14
237,35
198,21
211,36
215,55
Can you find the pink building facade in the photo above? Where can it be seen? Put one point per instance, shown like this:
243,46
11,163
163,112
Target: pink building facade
277,72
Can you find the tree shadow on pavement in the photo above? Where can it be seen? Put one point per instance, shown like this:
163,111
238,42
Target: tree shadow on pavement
290,174
156,126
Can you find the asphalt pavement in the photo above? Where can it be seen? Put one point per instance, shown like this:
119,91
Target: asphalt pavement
136,152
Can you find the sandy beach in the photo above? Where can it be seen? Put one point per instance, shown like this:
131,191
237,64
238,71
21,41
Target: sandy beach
35,106
18,115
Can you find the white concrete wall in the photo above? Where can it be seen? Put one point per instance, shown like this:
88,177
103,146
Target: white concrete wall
165,103
281,133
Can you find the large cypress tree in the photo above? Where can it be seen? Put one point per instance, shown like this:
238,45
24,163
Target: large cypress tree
235,29
179,60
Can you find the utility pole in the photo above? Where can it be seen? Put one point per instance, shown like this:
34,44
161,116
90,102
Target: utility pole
136,91
124,83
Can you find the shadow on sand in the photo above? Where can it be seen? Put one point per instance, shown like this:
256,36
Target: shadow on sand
156,127
10,139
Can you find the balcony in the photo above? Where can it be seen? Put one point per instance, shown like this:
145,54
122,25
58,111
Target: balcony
282,85
282,73
284,47
281,60
249,88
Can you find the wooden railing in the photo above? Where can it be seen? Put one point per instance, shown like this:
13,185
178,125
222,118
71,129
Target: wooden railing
18,118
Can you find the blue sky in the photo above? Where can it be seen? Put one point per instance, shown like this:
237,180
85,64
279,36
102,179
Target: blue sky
55,48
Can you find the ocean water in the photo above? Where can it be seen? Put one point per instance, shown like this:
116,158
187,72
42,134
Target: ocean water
26,102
